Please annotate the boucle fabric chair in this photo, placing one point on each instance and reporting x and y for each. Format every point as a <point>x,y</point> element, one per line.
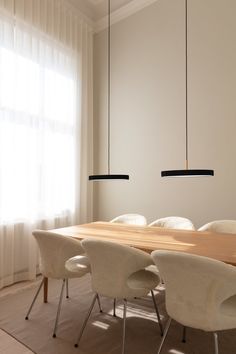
<point>54,250</point>
<point>118,272</point>
<point>200,292</point>
<point>131,219</point>
<point>224,226</point>
<point>174,222</point>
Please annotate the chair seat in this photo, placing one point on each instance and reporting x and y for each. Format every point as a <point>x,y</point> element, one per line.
<point>142,281</point>
<point>227,313</point>
<point>78,264</point>
<point>153,268</point>
<point>228,307</point>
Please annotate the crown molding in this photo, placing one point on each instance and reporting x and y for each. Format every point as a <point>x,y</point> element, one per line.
<point>123,12</point>
<point>95,2</point>
<point>81,14</point>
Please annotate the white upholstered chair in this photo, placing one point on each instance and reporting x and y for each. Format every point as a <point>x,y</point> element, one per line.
<point>118,272</point>
<point>200,292</point>
<point>54,251</point>
<point>131,219</point>
<point>171,222</point>
<point>224,226</point>
<point>174,222</point>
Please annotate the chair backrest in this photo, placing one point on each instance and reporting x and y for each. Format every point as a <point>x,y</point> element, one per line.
<point>224,226</point>
<point>55,250</point>
<point>112,265</point>
<point>196,287</point>
<point>131,219</point>
<point>174,222</point>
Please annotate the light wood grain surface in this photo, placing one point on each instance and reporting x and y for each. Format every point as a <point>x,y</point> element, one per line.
<point>214,245</point>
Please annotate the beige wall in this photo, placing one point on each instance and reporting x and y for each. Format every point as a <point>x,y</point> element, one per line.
<point>148,111</point>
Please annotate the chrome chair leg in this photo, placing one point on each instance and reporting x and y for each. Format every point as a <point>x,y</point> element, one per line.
<point>164,336</point>
<point>157,312</point>
<point>184,335</point>
<point>99,303</point>
<point>86,320</point>
<point>216,343</point>
<point>124,323</point>
<point>34,299</point>
<point>114,307</point>
<point>67,288</point>
<point>59,308</point>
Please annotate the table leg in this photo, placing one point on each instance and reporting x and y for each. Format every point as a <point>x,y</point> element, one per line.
<point>45,290</point>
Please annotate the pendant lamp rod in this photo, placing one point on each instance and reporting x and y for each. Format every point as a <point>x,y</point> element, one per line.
<point>186,85</point>
<point>186,172</point>
<point>109,88</point>
<point>108,176</point>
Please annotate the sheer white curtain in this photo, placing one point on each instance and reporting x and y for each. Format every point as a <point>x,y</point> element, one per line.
<point>45,117</point>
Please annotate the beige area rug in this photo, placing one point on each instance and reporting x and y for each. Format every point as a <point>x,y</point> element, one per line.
<point>103,333</point>
<point>9,345</point>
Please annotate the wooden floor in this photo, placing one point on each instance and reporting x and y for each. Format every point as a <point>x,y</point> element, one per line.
<point>8,345</point>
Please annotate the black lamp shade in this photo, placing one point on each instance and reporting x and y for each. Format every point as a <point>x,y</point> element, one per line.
<point>108,177</point>
<point>187,173</point>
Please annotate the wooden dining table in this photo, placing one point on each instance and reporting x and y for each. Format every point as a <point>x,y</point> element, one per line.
<point>218,246</point>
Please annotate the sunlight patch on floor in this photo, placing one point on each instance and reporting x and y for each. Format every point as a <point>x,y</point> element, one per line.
<point>174,351</point>
<point>101,324</point>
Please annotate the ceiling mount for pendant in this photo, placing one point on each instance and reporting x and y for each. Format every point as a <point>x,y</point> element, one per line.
<point>109,176</point>
<point>187,172</point>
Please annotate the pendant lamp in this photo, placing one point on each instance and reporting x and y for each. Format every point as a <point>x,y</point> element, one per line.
<point>109,176</point>
<point>186,172</point>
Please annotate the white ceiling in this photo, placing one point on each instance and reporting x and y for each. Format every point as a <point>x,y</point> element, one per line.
<point>96,10</point>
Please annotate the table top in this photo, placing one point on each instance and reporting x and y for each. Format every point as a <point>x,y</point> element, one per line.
<point>209,244</point>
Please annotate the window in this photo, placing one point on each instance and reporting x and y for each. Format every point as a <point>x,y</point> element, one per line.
<point>37,128</point>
